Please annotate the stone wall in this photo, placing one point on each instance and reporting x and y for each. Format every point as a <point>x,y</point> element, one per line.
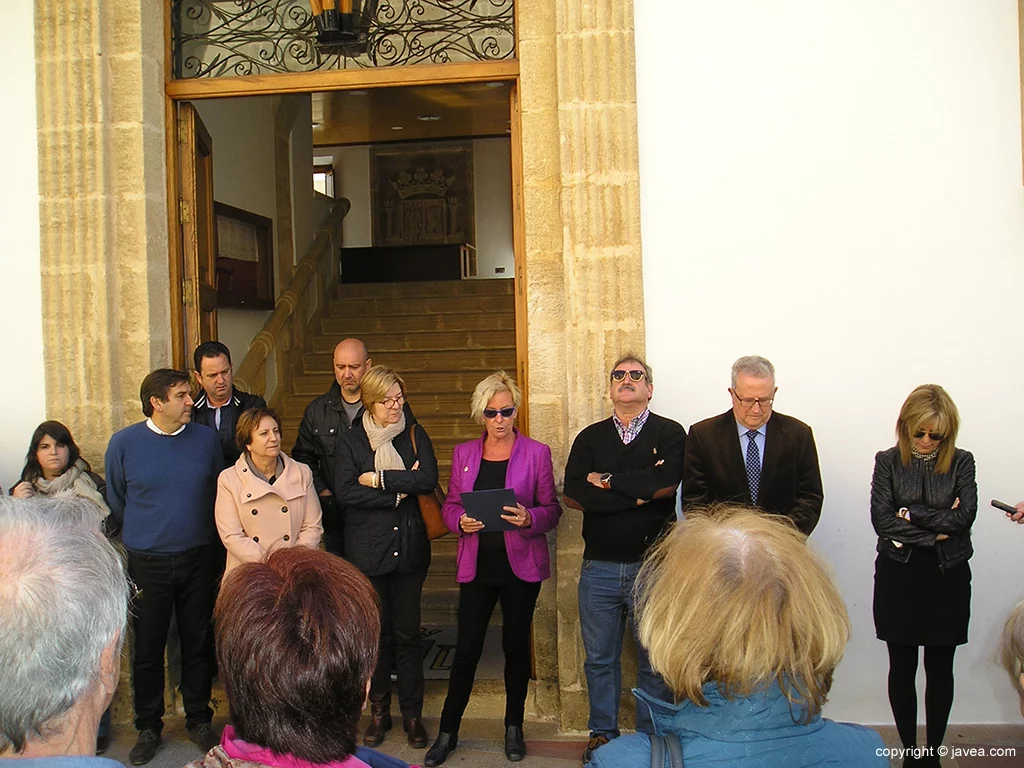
<point>103,213</point>
<point>581,199</point>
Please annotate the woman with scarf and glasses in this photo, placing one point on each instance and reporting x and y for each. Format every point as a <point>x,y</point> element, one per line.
<point>924,499</point>
<point>383,463</point>
<point>494,565</point>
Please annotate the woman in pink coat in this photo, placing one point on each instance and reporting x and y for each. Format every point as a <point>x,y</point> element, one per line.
<point>497,566</point>
<point>266,500</point>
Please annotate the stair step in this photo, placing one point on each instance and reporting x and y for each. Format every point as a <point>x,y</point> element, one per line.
<point>424,305</point>
<point>367,325</point>
<point>423,403</point>
<point>412,362</point>
<point>421,385</point>
<point>381,344</point>
<point>496,287</point>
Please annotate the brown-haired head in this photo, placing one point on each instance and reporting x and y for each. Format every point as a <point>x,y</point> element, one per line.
<point>734,597</point>
<point>929,404</point>
<point>249,421</point>
<point>297,639</point>
<point>376,383</point>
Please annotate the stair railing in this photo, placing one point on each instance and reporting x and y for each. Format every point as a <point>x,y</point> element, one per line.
<point>285,327</point>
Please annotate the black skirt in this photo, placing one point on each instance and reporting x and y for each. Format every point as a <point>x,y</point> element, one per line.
<point>916,603</point>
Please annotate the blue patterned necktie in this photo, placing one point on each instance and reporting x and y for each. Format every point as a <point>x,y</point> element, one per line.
<point>753,464</point>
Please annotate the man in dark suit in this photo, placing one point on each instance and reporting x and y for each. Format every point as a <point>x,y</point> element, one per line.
<point>754,455</point>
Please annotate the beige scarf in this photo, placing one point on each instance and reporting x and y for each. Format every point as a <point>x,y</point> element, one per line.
<point>384,454</point>
<point>75,480</point>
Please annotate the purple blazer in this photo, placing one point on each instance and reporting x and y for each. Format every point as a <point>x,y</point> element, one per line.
<point>531,477</point>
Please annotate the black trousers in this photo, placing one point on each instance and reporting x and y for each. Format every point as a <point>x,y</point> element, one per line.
<point>399,595</point>
<point>476,604</point>
<point>185,583</point>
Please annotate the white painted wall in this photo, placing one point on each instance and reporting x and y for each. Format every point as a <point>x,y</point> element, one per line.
<point>22,390</point>
<point>243,176</point>
<point>492,198</point>
<point>492,192</point>
<point>837,186</point>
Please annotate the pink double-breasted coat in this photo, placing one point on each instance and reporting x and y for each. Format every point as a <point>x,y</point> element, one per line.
<point>254,516</point>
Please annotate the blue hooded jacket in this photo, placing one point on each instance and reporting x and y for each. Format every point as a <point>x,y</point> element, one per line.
<point>760,731</point>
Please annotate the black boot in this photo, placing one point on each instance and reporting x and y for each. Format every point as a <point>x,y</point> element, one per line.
<point>515,746</point>
<point>443,746</point>
<point>380,724</point>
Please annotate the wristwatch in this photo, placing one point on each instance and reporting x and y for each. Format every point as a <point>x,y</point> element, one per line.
<point>606,480</point>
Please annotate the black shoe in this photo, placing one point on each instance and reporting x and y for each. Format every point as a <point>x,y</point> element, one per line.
<point>417,734</point>
<point>204,736</point>
<point>595,741</point>
<point>145,747</point>
<point>443,746</point>
<point>102,744</point>
<point>380,724</point>
<point>515,746</point>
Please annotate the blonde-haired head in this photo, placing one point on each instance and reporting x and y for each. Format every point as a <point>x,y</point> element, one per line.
<point>929,404</point>
<point>488,388</point>
<point>1011,649</point>
<point>735,597</point>
<point>376,383</point>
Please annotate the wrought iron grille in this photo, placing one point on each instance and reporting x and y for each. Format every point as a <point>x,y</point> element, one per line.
<point>217,38</point>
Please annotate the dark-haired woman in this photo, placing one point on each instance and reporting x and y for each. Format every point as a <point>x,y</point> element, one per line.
<point>53,465</point>
<point>924,499</point>
<point>296,645</point>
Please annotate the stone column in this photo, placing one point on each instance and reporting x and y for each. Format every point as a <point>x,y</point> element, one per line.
<point>583,263</point>
<point>103,210</point>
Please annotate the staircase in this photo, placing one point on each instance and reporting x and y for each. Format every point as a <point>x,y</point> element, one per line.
<point>442,338</point>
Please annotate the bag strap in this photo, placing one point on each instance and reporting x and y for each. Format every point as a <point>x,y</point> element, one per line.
<point>670,744</point>
<point>675,750</point>
<point>657,751</point>
<point>412,436</point>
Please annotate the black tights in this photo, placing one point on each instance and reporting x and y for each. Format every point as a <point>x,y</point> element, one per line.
<point>938,692</point>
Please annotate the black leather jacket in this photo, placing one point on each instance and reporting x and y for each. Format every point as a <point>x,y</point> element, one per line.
<point>929,497</point>
<point>240,402</point>
<point>383,535</point>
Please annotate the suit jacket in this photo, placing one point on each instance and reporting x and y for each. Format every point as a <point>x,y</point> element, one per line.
<point>714,469</point>
<point>530,475</point>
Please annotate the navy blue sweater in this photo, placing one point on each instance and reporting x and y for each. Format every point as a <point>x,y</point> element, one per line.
<point>162,487</point>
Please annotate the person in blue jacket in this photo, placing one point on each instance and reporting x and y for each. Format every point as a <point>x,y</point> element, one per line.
<point>746,626</point>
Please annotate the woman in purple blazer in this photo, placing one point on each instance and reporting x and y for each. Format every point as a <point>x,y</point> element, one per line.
<point>493,565</point>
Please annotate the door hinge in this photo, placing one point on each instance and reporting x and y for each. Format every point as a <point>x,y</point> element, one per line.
<point>183,211</point>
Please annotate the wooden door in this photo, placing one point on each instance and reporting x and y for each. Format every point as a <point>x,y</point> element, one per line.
<point>198,235</point>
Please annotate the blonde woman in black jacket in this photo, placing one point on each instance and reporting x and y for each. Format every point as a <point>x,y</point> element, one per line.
<point>924,499</point>
<point>377,480</point>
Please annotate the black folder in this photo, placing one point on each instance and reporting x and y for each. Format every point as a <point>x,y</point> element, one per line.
<point>487,507</point>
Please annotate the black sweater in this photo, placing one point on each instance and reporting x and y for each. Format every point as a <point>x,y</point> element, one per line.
<point>615,527</point>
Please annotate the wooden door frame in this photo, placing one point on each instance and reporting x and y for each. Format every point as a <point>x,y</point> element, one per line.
<point>340,80</point>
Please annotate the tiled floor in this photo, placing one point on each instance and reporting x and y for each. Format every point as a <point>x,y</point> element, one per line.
<point>480,746</point>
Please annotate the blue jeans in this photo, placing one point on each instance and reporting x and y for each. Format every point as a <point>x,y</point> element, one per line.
<point>606,602</point>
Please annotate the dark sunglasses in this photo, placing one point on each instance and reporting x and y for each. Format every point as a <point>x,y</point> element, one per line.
<point>634,375</point>
<point>938,438</point>
<point>506,413</point>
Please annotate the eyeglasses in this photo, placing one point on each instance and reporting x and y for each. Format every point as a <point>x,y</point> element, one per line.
<point>750,402</point>
<point>634,375</point>
<point>937,437</point>
<point>506,413</point>
<point>392,402</point>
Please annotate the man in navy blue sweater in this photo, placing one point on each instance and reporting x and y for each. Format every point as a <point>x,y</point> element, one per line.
<point>161,485</point>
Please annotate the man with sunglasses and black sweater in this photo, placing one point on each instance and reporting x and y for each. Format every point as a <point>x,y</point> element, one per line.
<point>623,473</point>
<point>753,454</point>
